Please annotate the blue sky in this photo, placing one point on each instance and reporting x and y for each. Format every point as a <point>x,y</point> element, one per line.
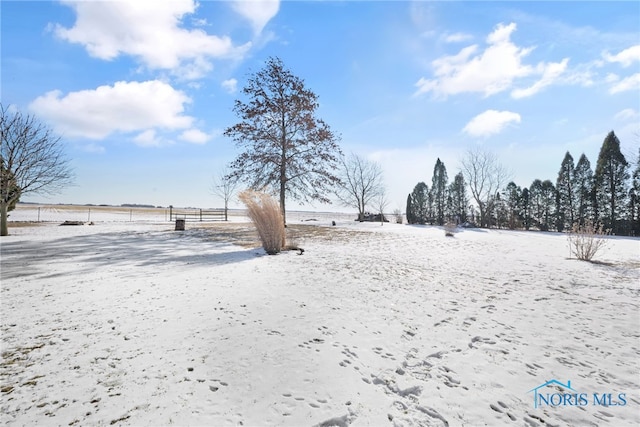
<point>142,91</point>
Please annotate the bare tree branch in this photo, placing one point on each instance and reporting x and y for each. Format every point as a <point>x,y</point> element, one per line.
<point>485,176</point>
<point>285,148</point>
<point>32,160</point>
<point>362,183</point>
<point>224,185</point>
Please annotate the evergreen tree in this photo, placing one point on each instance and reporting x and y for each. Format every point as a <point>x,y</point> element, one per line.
<point>409,212</point>
<point>634,199</point>
<point>610,181</point>
<point>566,200</point>
<point>548,196</point>
<point>512,196</point>
<point>584,191</point>
<point>501,211</point>
<point>439,191</point>
<point>420,202</point>
<point>526,208</point>
<point>448,210</point>
<point>560,216</point>
<point>536,204</point>
<point>459,199</point>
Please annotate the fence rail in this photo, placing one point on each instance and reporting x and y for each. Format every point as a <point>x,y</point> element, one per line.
<point>197,214</point>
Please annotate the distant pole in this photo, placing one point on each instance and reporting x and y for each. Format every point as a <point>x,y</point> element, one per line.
<point>130,214</point>
<point>89,218</point>
<point>170,212</point>
<point>200,215</point>
<point>38,213</point>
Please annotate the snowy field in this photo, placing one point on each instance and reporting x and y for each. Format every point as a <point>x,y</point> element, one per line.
<point>128,322</point>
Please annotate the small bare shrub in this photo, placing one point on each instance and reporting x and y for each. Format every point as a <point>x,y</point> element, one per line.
<point>398,214</point>
<point>265,213</point>
<point>450,229</point>
<point>586,240</point>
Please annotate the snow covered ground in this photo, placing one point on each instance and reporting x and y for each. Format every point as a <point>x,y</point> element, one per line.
<point>133,323</point>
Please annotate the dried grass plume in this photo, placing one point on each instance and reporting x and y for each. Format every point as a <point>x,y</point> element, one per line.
<point>265,213</point>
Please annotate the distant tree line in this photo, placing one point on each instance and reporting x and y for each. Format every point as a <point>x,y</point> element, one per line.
<point>608,195</point>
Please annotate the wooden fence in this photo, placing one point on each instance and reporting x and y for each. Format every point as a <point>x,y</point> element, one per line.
<point>197,214</point>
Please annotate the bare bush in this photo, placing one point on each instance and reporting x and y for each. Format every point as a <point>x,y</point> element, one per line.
<point>586,240</point>
<point>397,213</point>
<point>450,229</point>
<point>265,213</point>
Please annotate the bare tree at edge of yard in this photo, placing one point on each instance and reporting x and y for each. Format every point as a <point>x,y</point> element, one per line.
<point>362,183</point>
<point>224,185</point>
<point>286,149</point>
<point>485,176</point>
<point>381,203</point>
<point>32,160</point>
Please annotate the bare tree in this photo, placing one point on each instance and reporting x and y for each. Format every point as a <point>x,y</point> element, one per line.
<point>362,183</point>
<point>485,177</point>
<point>381,203</point>
<point>32,160</point>
<point>224,185</point>
<point>286,149</point>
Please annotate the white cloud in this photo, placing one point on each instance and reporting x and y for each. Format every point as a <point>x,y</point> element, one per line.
<point>628,83</point>
<point>490,71</point>
<point>258,12</point>
<point>148,138</point>
<point>457,37</point>
<point>92,148</point>
<point>123,107</point>
<point>611,78</point>
<point>148,31</point>
<point>195,136</point>
<point>490,122</point>
<point>625,57</point>
<point>550,74</point>
<point>627,114</point>
<point>230,85</point>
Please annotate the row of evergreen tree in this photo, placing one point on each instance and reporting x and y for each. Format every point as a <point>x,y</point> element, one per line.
<point>441,203</point>
<point>610,196</point>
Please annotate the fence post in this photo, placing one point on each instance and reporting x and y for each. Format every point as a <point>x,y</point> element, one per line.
<point>130,214</point>
<point>89,217</point>
<point>38,213</point>
<point>170,212</point>
<point>200,215</point>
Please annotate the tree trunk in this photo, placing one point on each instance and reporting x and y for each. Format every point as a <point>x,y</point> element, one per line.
<point>483,221</point>
<point>4,210</point>
<point>283,187</point>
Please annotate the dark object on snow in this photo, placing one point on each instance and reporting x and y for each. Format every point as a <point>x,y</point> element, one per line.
<point>333,223</point>
<point>180,224</point>
<point>369,217</point>
<point>73,223</point>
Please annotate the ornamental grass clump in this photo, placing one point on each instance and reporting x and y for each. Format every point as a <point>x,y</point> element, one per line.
<point>266,215</point>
